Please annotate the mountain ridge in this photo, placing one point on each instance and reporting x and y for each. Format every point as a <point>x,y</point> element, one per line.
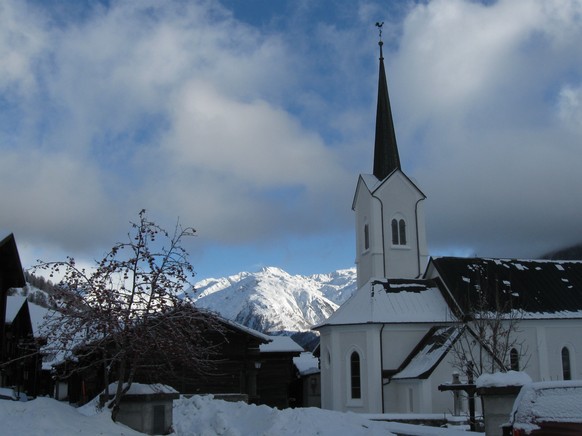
<point>275,302</point>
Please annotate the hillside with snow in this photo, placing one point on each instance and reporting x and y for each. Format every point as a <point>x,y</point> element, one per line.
<point>272,300</point>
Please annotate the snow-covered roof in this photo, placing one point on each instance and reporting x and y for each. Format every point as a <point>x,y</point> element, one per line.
<point>429,353</point>
<point>13,306</point>
<point>306,363</point>
<point>281,344</point>
<point>265,338</point>
<point>37,317</point>
<point>393,301</point>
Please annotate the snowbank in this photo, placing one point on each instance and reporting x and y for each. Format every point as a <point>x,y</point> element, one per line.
<point>46,416</point>
<point>203,416</point>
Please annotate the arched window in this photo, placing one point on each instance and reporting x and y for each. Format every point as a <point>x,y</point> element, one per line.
<point>402,231</point>
<point>566,368</point>
<point>398,232</point>
<point>394,232</point>
<point>355,378</point>
<point>514,360</point>
<point>366,237</point>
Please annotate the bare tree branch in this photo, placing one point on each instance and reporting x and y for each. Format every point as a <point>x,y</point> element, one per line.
<point>130,312</point>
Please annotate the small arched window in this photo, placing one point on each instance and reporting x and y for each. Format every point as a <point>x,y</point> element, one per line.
<point>402,231</point>
<point>514,360</point>
<point>355,377</point>
<point>366,237</point>
<point>566,367</point>
<point>398,232</point>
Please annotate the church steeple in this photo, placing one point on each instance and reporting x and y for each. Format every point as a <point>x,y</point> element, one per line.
<point>390,230</point>
<point>386,157</point>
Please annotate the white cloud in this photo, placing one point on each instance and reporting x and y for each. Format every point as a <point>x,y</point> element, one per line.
<point>54,198</point>
<point>257,133</point>
<point>480,88</point>
<point>175,107</point>
<point>570,106</point>
<point>253,142</point>
<point>22,39</point>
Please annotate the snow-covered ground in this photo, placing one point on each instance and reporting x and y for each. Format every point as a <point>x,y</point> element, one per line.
<point>200,416</point>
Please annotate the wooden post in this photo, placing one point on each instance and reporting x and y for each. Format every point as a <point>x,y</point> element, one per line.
<point>471,394</point>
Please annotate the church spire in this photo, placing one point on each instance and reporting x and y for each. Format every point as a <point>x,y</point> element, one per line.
<point>386,157</point>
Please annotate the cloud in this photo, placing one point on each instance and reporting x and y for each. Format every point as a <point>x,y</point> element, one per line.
<point>256,133</point>
<point>53,198</point>
<point>19,46</point>
<point>488,102</point>
<point>175,107</point>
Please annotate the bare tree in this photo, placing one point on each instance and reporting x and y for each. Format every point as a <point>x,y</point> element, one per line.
<point>492,341</point>
<point>130,314</point>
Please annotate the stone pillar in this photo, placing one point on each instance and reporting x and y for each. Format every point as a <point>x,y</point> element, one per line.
<point>497,403</point>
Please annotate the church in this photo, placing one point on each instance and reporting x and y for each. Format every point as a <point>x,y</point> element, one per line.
<point>415,321</point>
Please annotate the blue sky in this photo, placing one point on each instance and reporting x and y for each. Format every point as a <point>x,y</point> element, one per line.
<point>250,121</point>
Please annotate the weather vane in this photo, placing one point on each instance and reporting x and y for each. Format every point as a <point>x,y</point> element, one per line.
<point>379,26</point>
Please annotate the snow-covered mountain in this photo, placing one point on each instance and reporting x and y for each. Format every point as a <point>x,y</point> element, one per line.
<point>272,300</point>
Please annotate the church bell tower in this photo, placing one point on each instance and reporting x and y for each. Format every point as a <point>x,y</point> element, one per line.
<point>390,228</point>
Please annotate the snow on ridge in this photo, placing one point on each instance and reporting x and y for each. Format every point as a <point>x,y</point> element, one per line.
<point>273,300</point>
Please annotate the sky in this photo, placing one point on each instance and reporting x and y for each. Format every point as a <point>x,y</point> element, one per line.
<point>250,121</point>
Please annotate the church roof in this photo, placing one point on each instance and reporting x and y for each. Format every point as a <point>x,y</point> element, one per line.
<point>429,352</point>
<point>386,158</point>
<point>536,288</point>
<point>393,301</point>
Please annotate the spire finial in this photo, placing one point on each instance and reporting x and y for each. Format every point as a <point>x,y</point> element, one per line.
<point>380,43</point>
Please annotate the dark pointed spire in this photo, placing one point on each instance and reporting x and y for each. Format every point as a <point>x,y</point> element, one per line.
<point>386,157</point>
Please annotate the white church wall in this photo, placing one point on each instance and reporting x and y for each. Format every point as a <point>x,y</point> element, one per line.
<point>326,363</point>
<point>396,198</point>
<point>398,341</point>
<point>390,397</point>
<point>369,260</point>
<point>408,396</point>
<point>337,345</point>
<point>399,200</point>
<point>544,340</point>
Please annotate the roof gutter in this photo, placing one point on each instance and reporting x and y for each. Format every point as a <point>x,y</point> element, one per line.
<point>417,239</point>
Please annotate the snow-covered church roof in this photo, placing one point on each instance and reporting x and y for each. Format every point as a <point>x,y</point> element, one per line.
<point>393,301</point>
<point>429,352</point>
<point>536,288</point>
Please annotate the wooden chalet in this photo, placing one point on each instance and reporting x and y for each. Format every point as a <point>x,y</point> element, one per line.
<point>278,379</point>
<point>23,364</point>
<point>235,364</point>
<point>20,362</point>
<point>11,276</point>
